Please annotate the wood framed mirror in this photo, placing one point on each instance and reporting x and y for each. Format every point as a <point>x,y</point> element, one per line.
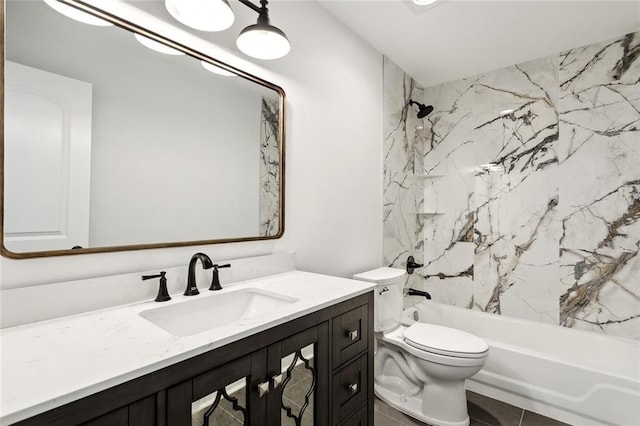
<point>109,145</point>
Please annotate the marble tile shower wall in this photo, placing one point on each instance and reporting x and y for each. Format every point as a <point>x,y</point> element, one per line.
<point>269,204</point>
<point>521,191</point>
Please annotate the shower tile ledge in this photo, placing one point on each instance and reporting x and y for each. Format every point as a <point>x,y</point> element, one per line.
<point>51,363</point>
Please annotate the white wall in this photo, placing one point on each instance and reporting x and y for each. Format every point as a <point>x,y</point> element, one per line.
<point>333,82</point>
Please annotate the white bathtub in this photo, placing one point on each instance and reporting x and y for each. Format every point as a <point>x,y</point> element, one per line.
<point>578,377</point>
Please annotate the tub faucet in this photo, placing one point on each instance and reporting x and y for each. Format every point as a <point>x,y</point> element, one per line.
<point>414,292</point>
<point>192,288</point>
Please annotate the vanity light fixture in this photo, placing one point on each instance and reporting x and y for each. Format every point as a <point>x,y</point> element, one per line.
<point>261,40</point>
<point>158,47</point>
<point>76,14</point>
<point>216,69</point>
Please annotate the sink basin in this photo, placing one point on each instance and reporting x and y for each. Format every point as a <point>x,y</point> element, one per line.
<point>208,312</point>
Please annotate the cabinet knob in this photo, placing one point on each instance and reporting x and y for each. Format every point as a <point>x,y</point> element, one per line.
<point>263,389</point>
<point>277,380</point>
<point>353,388</point>
<point>352,334</point>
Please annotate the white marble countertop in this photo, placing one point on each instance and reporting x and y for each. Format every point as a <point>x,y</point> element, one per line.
<point>50,363</point>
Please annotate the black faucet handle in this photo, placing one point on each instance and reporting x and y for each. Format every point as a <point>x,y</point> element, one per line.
<point>163,294</point>
<point>412,265</point>
<point>215,280</point>
<point>161,274</point>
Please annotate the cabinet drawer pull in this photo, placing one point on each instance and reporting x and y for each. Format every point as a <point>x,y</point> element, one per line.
<point>352,334</point>
<point>277,380</point>
<point>263,389</point>
<point>353,388</point>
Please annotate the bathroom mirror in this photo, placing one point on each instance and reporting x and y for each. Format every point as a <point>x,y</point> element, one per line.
<point>109,145</point>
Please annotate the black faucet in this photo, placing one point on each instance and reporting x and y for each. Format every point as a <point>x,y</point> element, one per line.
<point>215,281</point>
<point>414,292</point>
<point>192,288</point>
<point>163,294</point>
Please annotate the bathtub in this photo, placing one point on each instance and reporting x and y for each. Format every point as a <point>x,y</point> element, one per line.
<point>575,376</point>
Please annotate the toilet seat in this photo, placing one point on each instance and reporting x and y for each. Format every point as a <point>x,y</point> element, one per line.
<point>445,341</point>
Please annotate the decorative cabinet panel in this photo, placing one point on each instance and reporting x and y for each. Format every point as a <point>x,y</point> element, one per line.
<point>280,384</point>
<point>315,370</point>
<point>301,364</point>
<point>218,395</point>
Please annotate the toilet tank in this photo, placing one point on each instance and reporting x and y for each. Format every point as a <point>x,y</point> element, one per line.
<point>387,296</point>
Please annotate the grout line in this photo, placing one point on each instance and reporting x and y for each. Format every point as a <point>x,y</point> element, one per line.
<point>521,418</point>
<point>393,419</point>
<point>480,421</point>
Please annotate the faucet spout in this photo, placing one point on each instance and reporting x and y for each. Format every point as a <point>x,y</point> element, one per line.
<point>192,287</point>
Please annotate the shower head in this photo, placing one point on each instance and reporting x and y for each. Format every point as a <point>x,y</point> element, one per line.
<point>423,110</point>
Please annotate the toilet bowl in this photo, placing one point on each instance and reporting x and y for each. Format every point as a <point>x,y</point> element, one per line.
<point>420,369</point>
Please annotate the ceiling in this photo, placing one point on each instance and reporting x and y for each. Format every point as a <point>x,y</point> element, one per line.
<point>454,39</point>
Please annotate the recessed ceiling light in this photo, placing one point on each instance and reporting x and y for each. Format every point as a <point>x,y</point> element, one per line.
<point>424,2</point>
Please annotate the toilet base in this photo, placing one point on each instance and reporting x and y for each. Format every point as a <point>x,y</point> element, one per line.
<point>412,405</point>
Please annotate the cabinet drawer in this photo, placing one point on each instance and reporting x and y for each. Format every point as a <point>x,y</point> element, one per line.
<point>349,389</point>
<point>350,331</point>
<point>358,419</point>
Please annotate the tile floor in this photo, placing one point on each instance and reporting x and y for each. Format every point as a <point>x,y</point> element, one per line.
<point>483,411</point>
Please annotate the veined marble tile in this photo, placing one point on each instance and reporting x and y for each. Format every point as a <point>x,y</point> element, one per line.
<point>537,188</point>
<point>402,196</point>
<point>533,293</point>
<point>448,272</point>
<point>601,291</point>
<point>449,155</point>
<point>447,148</point>
<point>600,210</point>
<point>457,291</point>
<point>516,191</point>
<point>269,204</point>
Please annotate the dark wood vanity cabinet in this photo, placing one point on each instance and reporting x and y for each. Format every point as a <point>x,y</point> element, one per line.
<point>314,370</point>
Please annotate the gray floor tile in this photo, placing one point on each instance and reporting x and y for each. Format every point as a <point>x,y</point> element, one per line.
<point>534,419</point>
<point>399,417</point>
<point>483,411</point>
<point>491,411</point>
<point>380,419</point>
<point>474,422</point>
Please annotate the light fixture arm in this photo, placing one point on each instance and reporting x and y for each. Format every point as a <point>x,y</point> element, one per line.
<point>257,9</point>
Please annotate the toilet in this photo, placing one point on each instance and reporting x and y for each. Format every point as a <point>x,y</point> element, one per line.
<point>420,368</point>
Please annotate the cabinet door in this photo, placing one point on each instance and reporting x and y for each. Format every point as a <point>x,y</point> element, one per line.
<point>298,367</point>
<point>225,395</point>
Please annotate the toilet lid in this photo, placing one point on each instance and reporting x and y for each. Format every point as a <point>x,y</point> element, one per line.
<point>445,341</point>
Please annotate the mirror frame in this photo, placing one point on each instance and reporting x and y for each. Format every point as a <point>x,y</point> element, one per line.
<point>129,26</point>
